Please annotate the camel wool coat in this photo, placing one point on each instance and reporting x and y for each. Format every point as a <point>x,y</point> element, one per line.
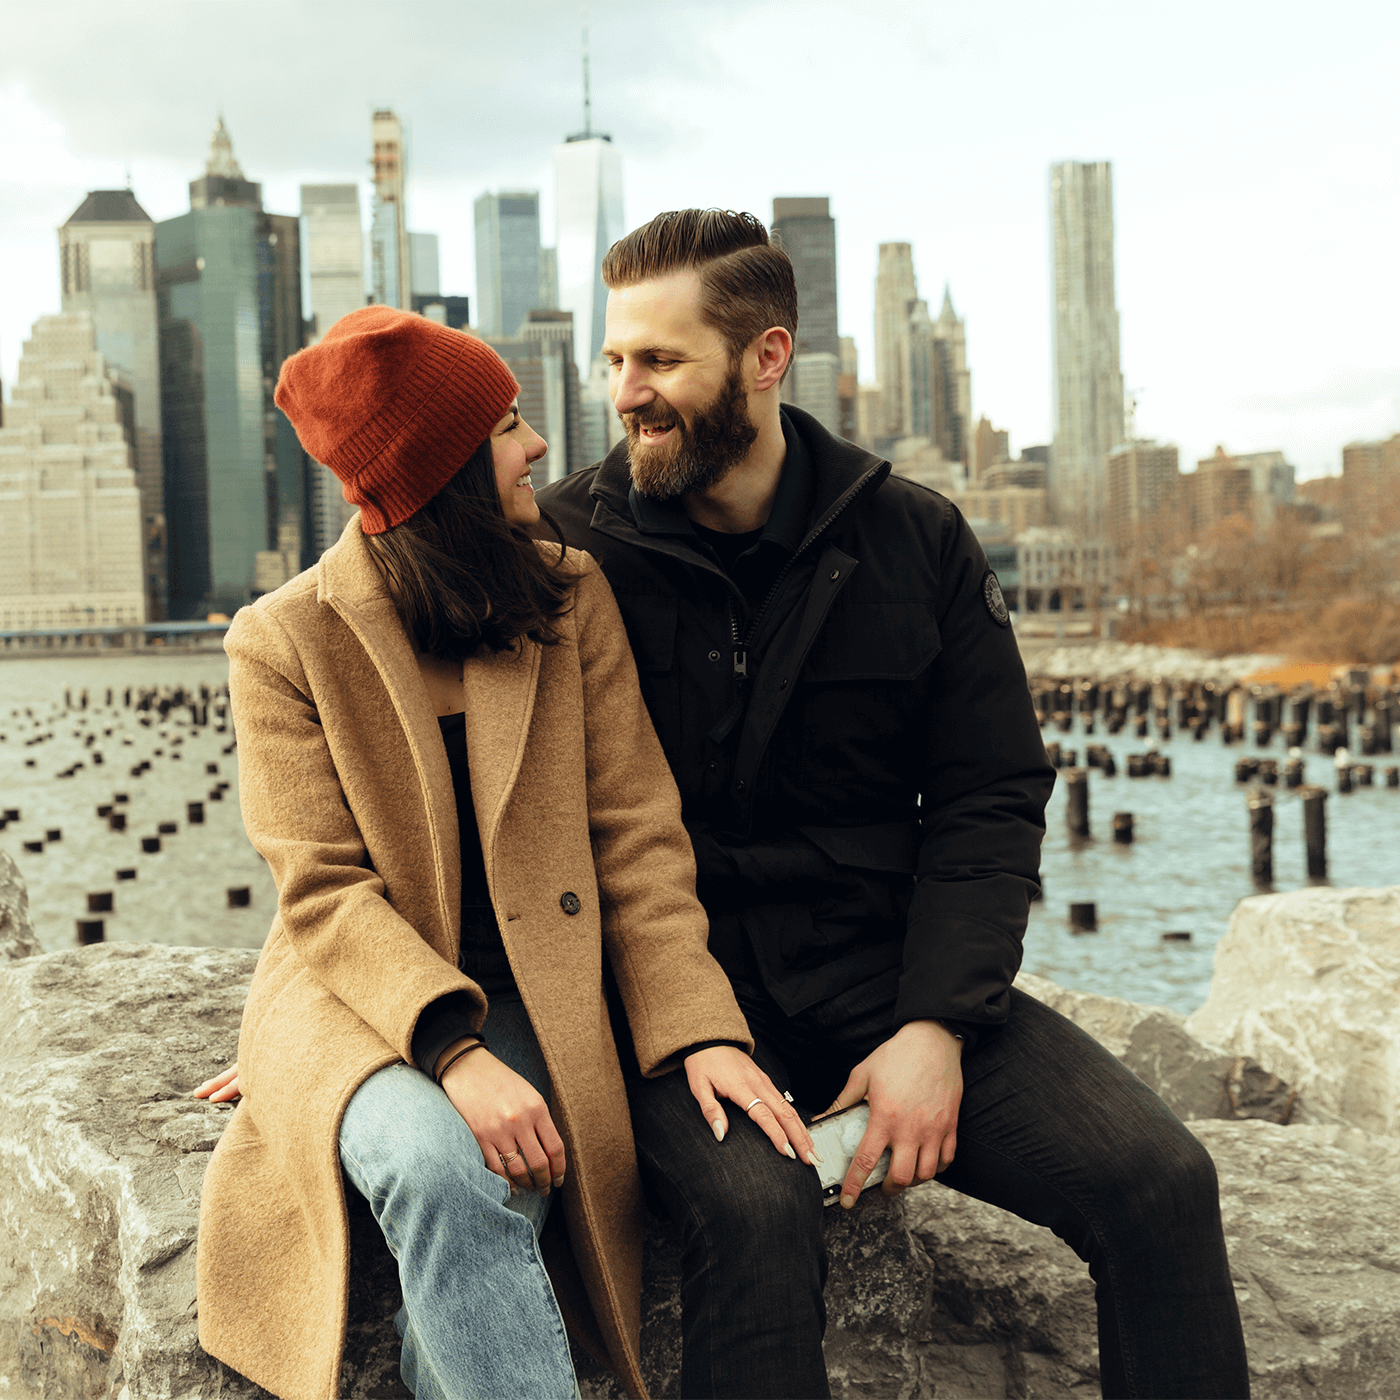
<point>347,794</point>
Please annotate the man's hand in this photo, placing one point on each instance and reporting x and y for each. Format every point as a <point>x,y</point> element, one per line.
<point>914,1086</point>
<point>726,1071</point>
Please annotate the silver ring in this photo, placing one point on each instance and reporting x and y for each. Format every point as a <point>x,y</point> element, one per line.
<point>757,1100</point>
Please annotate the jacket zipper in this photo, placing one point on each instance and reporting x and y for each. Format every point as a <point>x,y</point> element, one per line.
<point>741,647</point>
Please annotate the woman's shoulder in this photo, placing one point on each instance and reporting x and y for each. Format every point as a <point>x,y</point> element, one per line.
<point>576,564</point>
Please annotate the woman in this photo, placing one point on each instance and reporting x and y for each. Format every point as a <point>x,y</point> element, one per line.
<point>445,760</point>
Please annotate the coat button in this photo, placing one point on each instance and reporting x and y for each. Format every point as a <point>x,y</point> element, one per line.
<point>740,785</point>
<point>835,574</point>
<point>569,902</point>
<point>714,656</point>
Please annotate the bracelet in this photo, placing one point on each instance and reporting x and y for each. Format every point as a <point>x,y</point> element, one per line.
<point>478,1044</point>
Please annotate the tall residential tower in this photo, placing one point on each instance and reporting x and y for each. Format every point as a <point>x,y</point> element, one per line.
<point>1088,412</point>
<point>508,262</point>
<point>807,232</point>
<point>390,258</point>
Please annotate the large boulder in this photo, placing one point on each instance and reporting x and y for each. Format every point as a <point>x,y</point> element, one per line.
<point>1196,1079</point>
<point>102,1155</point>
<point>1308,984</point>
<point>17,938</point>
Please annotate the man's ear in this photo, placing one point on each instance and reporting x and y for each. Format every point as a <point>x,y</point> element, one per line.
<point>773,350</point>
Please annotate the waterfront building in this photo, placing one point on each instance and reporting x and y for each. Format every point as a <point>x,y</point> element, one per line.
<point>1217,490</point>
<point>445,310</point>
<point>921,460</point>
<point>1272,483</point>
<point>509,266</point>
<point>71,511</point>
<point>848,391</point>
<point>895,292</point>
<point>1088,378</point>
<point>1027,472</point>
<point>1060,570</point>
<point>988,446</point>
<point>1015,509</point>
<point>228,283</point>
<point>1144,479</point>
<point>107,264</point>
<point>390,257</point>
<point>589,220</point>
<point>1370,486</point>
<point>600,427</point>
<point>542,359</point>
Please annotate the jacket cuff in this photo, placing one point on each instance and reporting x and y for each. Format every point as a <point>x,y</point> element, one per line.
<point>960,970</point>
<point>442,1021</point>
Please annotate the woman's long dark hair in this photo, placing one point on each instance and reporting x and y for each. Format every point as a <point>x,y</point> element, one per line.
<point>463,577</point>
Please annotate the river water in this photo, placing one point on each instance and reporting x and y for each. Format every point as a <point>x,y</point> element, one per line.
<point>1186,870</point>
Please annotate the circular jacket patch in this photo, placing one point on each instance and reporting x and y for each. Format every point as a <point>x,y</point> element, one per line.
<point>996,604</point>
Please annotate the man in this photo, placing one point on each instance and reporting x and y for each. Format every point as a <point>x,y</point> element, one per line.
<point>827,660</point>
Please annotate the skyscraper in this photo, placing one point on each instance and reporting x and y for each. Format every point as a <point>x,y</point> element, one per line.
<point>588,221</point>
<point>1143,477</point>
<point>71,531</point>
<point>228,283</point>
<point>508,262</point>
<point>423,265</point>
<point>895,292</point>
<point>335,259</point>
<point>107,257</point>
<point>807,232</point>
<point>390,259</point>
<point>938,384</point>
<point>1088,411</point>
<point>335,254</point>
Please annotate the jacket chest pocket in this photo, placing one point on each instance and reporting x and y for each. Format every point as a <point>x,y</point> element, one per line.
<point>651,620</point>
<point>860,695</point>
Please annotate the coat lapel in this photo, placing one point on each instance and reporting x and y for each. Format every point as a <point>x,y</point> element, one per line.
<point>349,582</point>
<point>500,692</point>
<point>499,698</point>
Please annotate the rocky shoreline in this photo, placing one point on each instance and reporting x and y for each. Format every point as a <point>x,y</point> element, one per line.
<point>1111,661</point>
<point>1289,1075</point>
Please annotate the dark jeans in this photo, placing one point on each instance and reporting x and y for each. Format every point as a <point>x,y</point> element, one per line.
<point>1052,1128</point>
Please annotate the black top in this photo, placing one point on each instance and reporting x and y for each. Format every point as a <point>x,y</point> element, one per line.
<point>483,954</point>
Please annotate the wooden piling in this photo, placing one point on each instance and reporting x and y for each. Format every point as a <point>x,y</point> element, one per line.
<point>1123,828</point>
<point>1261,836</point>
<point>1077,800</point>
<point>1315,830</point>
<point>1083,918</point>
<point>91,931</point>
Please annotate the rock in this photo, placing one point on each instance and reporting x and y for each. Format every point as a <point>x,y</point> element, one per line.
<point>17,938</point>
<point>102,1155</point>
<point>1135,661</point>
<point>1308,983</point>
<point>1197,1080</point>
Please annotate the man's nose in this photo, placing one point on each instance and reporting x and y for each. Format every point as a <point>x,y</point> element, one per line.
<point>631,389</point>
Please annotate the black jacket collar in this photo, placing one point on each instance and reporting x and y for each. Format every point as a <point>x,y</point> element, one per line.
<point>829,471</point>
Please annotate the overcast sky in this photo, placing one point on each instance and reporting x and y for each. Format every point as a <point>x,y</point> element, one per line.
<point>1255,150</point>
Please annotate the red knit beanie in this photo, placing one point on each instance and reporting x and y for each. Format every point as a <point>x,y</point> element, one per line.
<point>394,405</point>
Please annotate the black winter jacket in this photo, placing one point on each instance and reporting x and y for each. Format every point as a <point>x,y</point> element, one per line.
<point>847,718</point>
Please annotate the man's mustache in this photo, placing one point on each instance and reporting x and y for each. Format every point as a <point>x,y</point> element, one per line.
<point>650,416</point>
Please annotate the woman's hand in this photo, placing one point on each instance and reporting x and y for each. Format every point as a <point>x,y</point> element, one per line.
<point>509,1119</point>
<point>221,1088</point>
<point>726,1071</point>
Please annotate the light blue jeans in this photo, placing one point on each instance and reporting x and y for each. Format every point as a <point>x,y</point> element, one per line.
<point>479,1318</point>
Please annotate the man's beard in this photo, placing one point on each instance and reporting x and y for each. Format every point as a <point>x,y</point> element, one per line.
<point>702,454</point>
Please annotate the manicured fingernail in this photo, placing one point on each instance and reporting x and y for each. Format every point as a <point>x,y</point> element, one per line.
<point>847,1202</point>
<point>787,1147</point>
<point>815,1158</point>
<point>558,1181</point>
<point>719,1130</point>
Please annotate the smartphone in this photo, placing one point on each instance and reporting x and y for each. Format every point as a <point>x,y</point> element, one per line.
<point>836,1140</point>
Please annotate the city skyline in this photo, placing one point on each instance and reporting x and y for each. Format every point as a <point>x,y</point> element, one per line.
<point>1243,211</point>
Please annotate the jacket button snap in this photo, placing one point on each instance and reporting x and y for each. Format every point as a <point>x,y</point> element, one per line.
<point>569,902</point>
<point>835,574</point>
<point>739,786</point>
<point>714,656</point>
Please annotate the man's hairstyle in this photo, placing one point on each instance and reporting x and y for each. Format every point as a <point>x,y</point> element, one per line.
<point>746,281</point>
